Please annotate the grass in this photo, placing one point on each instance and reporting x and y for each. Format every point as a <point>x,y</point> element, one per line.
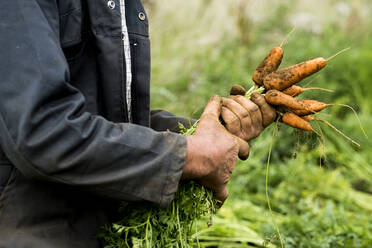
<point>202,47</point>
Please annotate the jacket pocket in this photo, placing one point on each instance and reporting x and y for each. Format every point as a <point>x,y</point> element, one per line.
<point>71,23</point>
<point>73,30</point>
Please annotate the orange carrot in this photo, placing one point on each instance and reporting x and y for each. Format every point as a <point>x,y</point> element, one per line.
<point>309,107</point>
<point>314,105</point>
<point>289,76</point>
<point>278,98</point>
<point>268,65</point>
<point>295,90</point>
<point>308,118</point>
<point>296,122</point>
<point>287,103</point>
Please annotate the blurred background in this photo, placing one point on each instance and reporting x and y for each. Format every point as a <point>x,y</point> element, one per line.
<point>321,195</point>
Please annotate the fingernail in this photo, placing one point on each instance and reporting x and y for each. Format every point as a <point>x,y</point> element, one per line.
<point>254,95</point>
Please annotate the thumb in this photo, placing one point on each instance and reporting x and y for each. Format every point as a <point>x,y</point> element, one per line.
<point>243,148</point>
<point>212,110</point>
<point>221,195</point>
<point>237,89</point>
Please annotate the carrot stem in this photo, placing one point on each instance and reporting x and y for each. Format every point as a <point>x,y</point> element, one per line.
<point>338,53</point>
<point>287,36</point>
<point>267,184</point>
<point>254,89</point>
<point>322,141</point>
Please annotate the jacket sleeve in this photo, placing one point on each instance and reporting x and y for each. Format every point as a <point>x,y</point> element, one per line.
<point>162,120</point>
<point>45,135</point>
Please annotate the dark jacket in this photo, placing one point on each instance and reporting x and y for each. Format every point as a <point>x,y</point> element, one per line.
<point>68,154</point>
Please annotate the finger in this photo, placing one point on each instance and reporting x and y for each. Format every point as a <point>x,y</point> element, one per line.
<point>232,122</point>
<point>237,89</point>
<point>210,116</point>
<point>235,107</point>
<point>241,113</point>
<point>268,112</point>
<point>243,148</point>
<point>253,110</point>
<point>221,195</point>
<point>213,107</point>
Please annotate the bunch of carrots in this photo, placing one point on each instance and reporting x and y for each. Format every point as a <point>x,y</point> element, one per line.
<point>280,90</point>
<point>279,86</point>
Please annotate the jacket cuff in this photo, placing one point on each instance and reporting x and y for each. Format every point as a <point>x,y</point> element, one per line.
<point>176,163</point>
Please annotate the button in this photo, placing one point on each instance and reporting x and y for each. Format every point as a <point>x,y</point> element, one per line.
<point>111,4</point>
<point>141,16</point>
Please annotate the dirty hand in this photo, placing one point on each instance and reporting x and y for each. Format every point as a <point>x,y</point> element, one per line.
<point>212,151</point>
<point>246,118</point>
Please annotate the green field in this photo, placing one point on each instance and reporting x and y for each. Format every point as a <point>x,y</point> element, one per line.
<point>321,195</point>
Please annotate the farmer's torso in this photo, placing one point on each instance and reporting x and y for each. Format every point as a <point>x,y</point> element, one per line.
<point>91,34</point>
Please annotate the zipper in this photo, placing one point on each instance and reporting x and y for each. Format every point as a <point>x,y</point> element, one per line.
<point>127,59</point>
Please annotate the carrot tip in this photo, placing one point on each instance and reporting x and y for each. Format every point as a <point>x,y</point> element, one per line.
<point>287,36</point>
<point>316,88</point>
<point>338,53</point>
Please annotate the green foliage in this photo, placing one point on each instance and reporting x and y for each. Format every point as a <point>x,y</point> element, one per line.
<point>145,225</point>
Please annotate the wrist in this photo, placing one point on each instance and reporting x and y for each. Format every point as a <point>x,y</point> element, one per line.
<point>191,169</point>
<point>187,169</point>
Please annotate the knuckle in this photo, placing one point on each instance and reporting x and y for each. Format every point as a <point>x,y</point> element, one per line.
<point>235,119</point>
<point>226,179</point>
<point>235,124</point>
<point>272,115</point>
<point>254,108</point>
<point>241,98</point>
<point>256,133</point>
<point>258,98</point>
<point>227,101</point>
<point>245,114</point>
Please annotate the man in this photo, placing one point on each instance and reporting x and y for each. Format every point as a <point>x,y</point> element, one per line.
<point>76,132</point>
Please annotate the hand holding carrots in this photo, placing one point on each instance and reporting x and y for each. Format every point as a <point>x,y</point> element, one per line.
<point>246,118</point>
<point>212,151</point>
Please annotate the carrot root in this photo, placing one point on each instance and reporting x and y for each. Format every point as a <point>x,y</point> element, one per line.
<point>355,114</point>
<point>287,36</point>
<point>317,88</point>
<point>322,140</point>
<point>338,131</point>
<point>267,184</point>
<point>338,53</point>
